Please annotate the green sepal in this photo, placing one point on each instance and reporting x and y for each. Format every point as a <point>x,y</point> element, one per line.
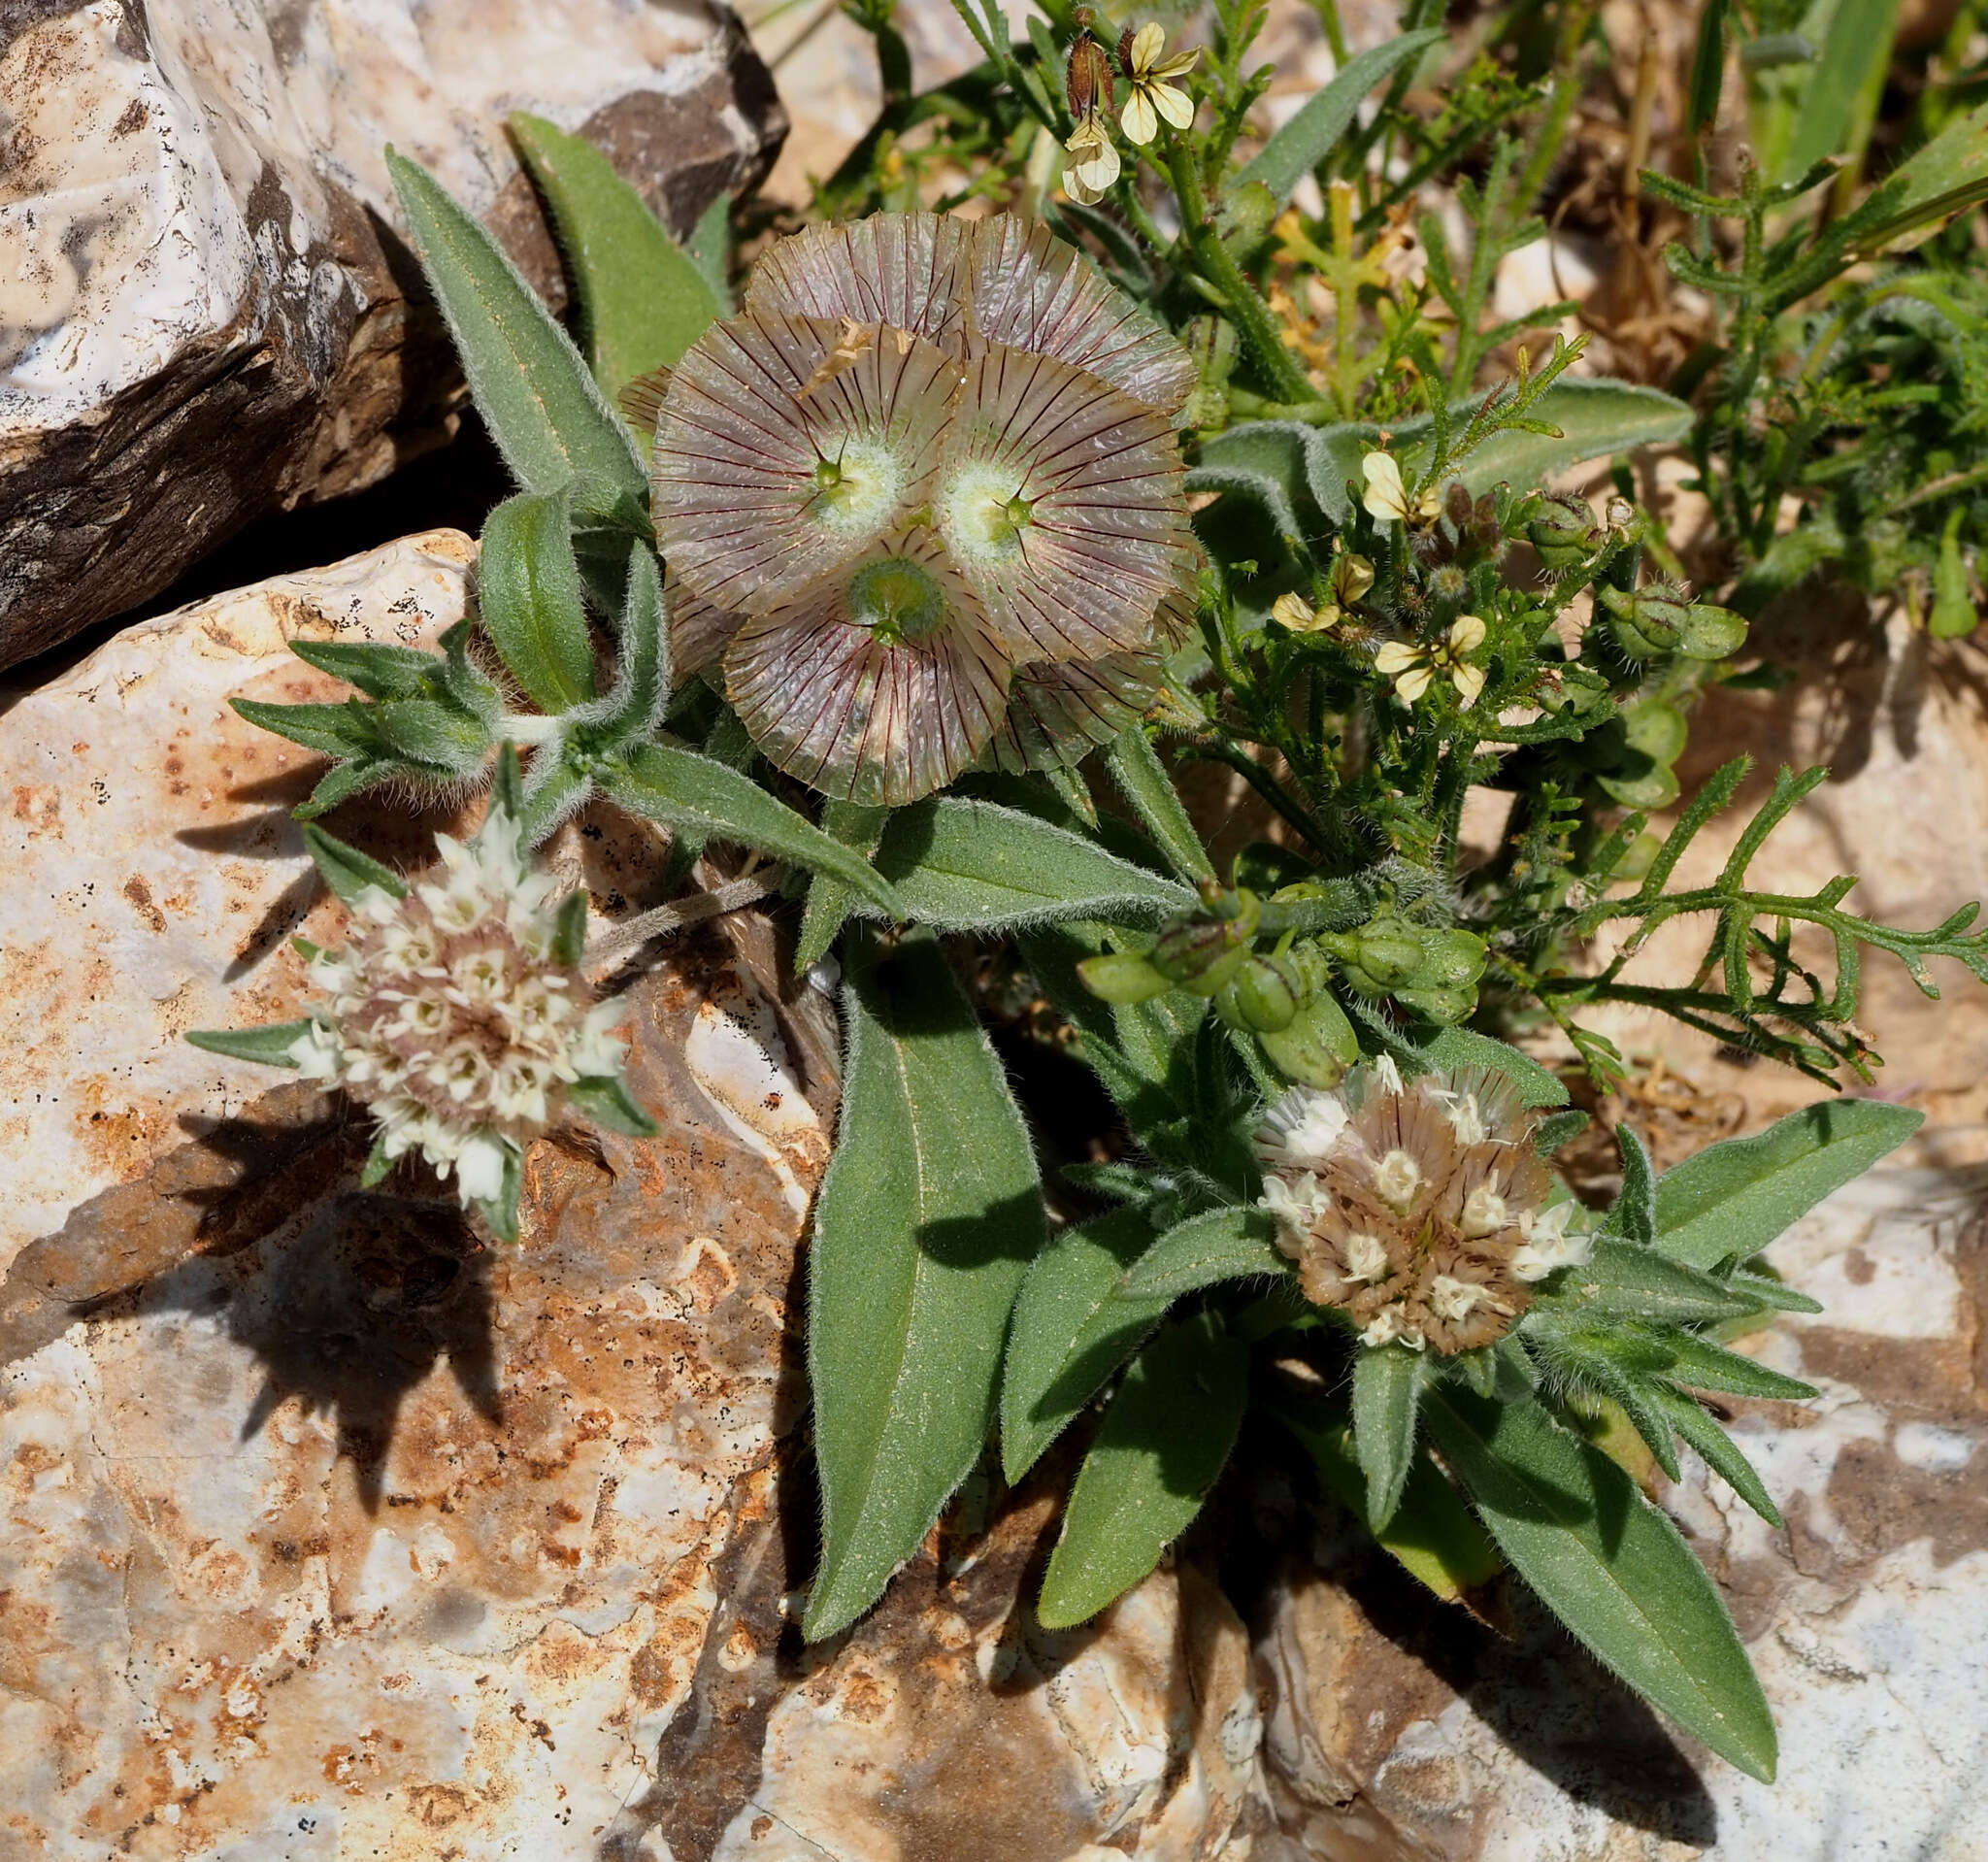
<point>507,785</point>
<point>374,1172</point>
<point>501,1210</point>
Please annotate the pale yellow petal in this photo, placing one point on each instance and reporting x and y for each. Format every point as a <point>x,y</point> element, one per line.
<point>1413,683</point>
<point>1384,497</point>
<point>1147,43</point>
<point>1173,103</point>
<point>1396,656</point>
<point>1469,685</point>
<point>1466,633</point>
<point>1140,124</point>
<point>1178,64</point>
<point>1292,610</point>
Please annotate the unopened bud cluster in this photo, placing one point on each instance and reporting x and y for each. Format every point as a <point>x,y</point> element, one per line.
<point>452,1018</point>
<point>1418,1208</point>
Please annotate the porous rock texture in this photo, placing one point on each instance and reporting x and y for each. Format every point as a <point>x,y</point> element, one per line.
<point>1400,1732</point>
<point>205,310</point>
<point>330,1531</point>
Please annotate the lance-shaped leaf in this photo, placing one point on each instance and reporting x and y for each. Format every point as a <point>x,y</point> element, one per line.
<point>1387,1394</point>
<point>529,597</point>
<point>1721,1454</point>
<point>927,1220</point>
<point>1315,132</point>
<point>1143,779</point>
<point>1641,1283</point>
<point>1157,1452</point>
<point>268,1047</point>
<point>1732,1199</point>
<point>1635,1214</point>
<point>1456,1048</point>
<point>347,871</point>
<point>1224,1244</point>
<point>643,299</point>
<point>975,866</point>
<point>829,900</point>
<point>606,1100</point>
<point>377,670</point>
<point>684,791</point>
<point>1611,1566</point>
<point>642,686</point>
<point>1593,417</point>
<point>1073,1326</point>
<point>540,404</point>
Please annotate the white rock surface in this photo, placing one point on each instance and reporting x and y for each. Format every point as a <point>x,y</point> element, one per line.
<point>206,318</point>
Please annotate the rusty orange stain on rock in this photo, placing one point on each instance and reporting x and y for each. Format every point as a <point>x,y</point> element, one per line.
<point>140,894</point>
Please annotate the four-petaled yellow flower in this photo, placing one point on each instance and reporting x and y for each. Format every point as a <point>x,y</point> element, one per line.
<point>1388,498</point>
<point>1093,164</point>
<point>1154,96</point>
<point>1415,669</point>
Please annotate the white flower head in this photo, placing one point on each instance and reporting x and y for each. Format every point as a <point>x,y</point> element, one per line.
<point>453,1016</point>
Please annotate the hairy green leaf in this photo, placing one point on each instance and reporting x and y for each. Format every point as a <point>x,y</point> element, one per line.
<point>1611,1566</point>
<point>962,865</point>
<point>269,1046</point>
<point>643,299</point>
<point>1073,1327</point>
<point>1720,1452</point>
<point>343,731</point>
<point>1157,1452</point>
<point>541,405</point>
<point>1642,1283</point>
<point>528,596</point>
<point>1315,132</point>
<point>830,901</point>
<point>1840,91</point>
<point>1387,1393</point>
<point>379,671</point>
<point>606,1099</point>
<point>925,1225</point>
<point>345,870</point>
<point>1466,1048</point>
<point>683,790</point>
<point>1143,779</point>
<point>1233,1243</point>
<point>1732,1199</point>
<point>1594,416</point>
<point>1635,1214</point>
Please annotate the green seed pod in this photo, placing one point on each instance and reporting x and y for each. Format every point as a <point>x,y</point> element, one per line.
<point>1317,1048</point>
<point>1444,1006</point>
<point>1563,532</point>
<point>1122,978</point>
<point>1711,633</point>
<point>1649,623</point>
<point>1260,997</point>
<point>1450,959</point>
<point>1389,954</point>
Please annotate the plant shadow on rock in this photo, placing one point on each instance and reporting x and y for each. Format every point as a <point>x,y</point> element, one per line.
<point>1536,1690</point>
<point>347,1298</point>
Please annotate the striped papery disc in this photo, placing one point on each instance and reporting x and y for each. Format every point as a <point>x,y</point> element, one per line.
<point>699,633</point>
<point>787,446</point>
<point>1058,713</point>
<point>907,270</point>
<point>1061,500</point>
<point>864,711</point>
<point>1032,291</point>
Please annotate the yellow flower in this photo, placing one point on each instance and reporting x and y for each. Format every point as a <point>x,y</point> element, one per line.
<point>1295,612</point>
<point>1414,669</point>
<point>1388,498</point>
<point>1154,97</point>
<point>1093,164</point>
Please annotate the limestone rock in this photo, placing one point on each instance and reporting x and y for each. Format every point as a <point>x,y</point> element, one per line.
<point>328,1531</point>
<point>205,314</point>
<point>1397,1732</point>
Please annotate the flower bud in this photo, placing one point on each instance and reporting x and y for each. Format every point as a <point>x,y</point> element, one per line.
<point>1711,633</point>
<point>1562,530</point>
<point>1122,978</point>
